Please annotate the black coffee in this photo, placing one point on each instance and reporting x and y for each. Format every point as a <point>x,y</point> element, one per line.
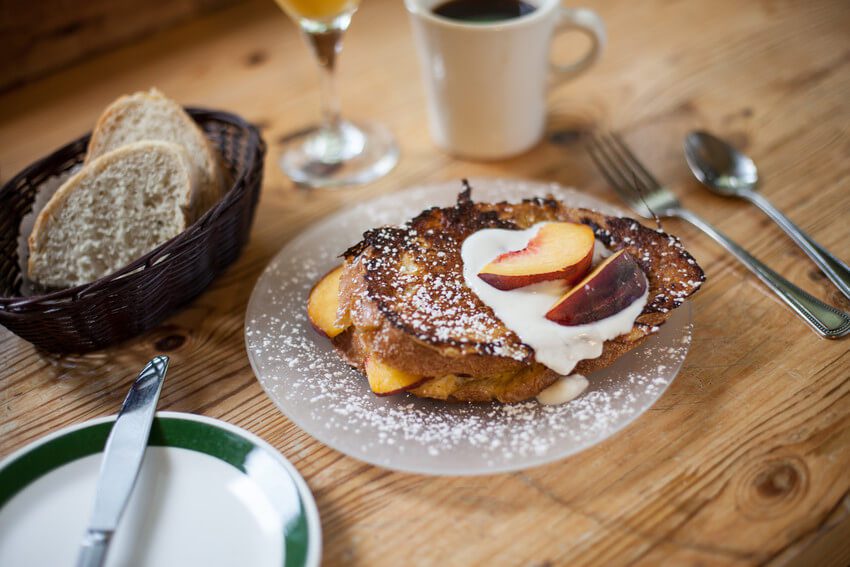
<point>483,11</point>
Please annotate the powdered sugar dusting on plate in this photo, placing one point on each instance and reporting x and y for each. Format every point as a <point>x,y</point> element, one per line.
<point>311,385</point>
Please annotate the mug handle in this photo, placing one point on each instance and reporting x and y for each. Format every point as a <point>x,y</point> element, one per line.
<point>589,23</point>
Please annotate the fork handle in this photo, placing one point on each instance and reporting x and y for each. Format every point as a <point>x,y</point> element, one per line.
<point>836,270</point>
<point>826,320</point>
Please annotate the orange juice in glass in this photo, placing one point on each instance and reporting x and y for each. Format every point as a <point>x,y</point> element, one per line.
<point>317,9</point>
<point>335,152</point>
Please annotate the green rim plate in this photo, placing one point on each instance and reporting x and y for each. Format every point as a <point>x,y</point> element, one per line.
<point>218,439</point>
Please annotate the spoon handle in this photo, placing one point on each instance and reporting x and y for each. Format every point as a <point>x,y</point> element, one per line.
<point>826,320</point>
<point>836,270</point>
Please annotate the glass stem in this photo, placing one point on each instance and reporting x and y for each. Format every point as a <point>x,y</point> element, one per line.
<point>326,46</point>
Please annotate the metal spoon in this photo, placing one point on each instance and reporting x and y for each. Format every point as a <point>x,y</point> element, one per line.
<point>726,171</point>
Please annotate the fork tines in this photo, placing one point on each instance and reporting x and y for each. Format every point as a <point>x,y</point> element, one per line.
<point>623,170</point>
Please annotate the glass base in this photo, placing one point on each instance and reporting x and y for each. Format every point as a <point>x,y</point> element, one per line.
<point>348,154</point>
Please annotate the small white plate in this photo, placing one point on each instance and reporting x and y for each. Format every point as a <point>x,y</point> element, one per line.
<point>208,493</point>
<point>311,384</point>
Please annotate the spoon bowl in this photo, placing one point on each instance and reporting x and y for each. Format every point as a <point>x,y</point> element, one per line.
<point>726,171</point>
<point>719,166</point>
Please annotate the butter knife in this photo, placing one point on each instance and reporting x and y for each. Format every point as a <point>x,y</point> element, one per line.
<point>122,459</point>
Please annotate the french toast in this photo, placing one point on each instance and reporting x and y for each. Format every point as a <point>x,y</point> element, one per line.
<point>404,307</point>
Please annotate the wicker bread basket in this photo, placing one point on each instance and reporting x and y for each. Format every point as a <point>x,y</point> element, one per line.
<point>140,295</point>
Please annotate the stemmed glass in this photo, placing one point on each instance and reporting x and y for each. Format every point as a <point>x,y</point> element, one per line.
<point>335,152</point>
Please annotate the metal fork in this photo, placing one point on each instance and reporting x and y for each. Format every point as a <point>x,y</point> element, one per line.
<point>643,193</point>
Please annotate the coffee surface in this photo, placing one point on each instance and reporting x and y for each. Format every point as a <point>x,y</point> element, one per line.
<point>483,11</point>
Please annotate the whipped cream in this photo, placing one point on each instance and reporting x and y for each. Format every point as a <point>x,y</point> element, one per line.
<point>565,389</point>
<point>523,310</point>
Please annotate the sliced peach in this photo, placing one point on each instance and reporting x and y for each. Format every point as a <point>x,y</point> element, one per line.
<point>559,251</point>
<point>440,388</point>
<point>323,304</point>
<point>614,285</point>
<point>386,380</point>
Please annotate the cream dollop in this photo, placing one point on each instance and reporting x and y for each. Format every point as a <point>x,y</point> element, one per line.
<point>523,310</point>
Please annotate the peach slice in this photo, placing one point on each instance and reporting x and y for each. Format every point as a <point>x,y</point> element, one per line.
<point>386,380</point>
<point>559,251</point>
<point>323,303</point>
<point>614,285</point>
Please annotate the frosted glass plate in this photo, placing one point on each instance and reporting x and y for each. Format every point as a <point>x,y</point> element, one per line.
<point>314,388</point>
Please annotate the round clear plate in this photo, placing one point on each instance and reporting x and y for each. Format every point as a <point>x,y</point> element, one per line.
<point>314,388</point>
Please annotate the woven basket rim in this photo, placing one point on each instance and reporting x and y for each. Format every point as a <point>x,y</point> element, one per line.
<point>162,250</point>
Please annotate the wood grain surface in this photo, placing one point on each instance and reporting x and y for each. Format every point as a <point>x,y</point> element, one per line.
<point>744,460</point>
<point>39,37</point>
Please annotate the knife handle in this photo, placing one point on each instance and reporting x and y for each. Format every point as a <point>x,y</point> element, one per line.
<point>93,549</point>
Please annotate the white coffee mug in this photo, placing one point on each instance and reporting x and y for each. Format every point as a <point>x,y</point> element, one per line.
<point>486,82</point>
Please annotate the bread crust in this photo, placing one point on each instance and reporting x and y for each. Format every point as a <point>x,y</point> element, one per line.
<point>212,180</point>
<point>403,289</point>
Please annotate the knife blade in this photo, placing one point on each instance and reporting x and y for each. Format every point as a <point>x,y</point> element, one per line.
<point>122,460</point>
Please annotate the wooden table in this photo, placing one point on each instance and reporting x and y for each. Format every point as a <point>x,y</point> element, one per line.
<point>745,460</point>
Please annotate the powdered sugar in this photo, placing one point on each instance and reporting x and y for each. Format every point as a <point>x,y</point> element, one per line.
<point>311,385</point>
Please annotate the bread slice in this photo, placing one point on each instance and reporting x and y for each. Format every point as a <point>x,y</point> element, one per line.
<point>153,116</point>
<point>117,208</point>
<point>403,292</point>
